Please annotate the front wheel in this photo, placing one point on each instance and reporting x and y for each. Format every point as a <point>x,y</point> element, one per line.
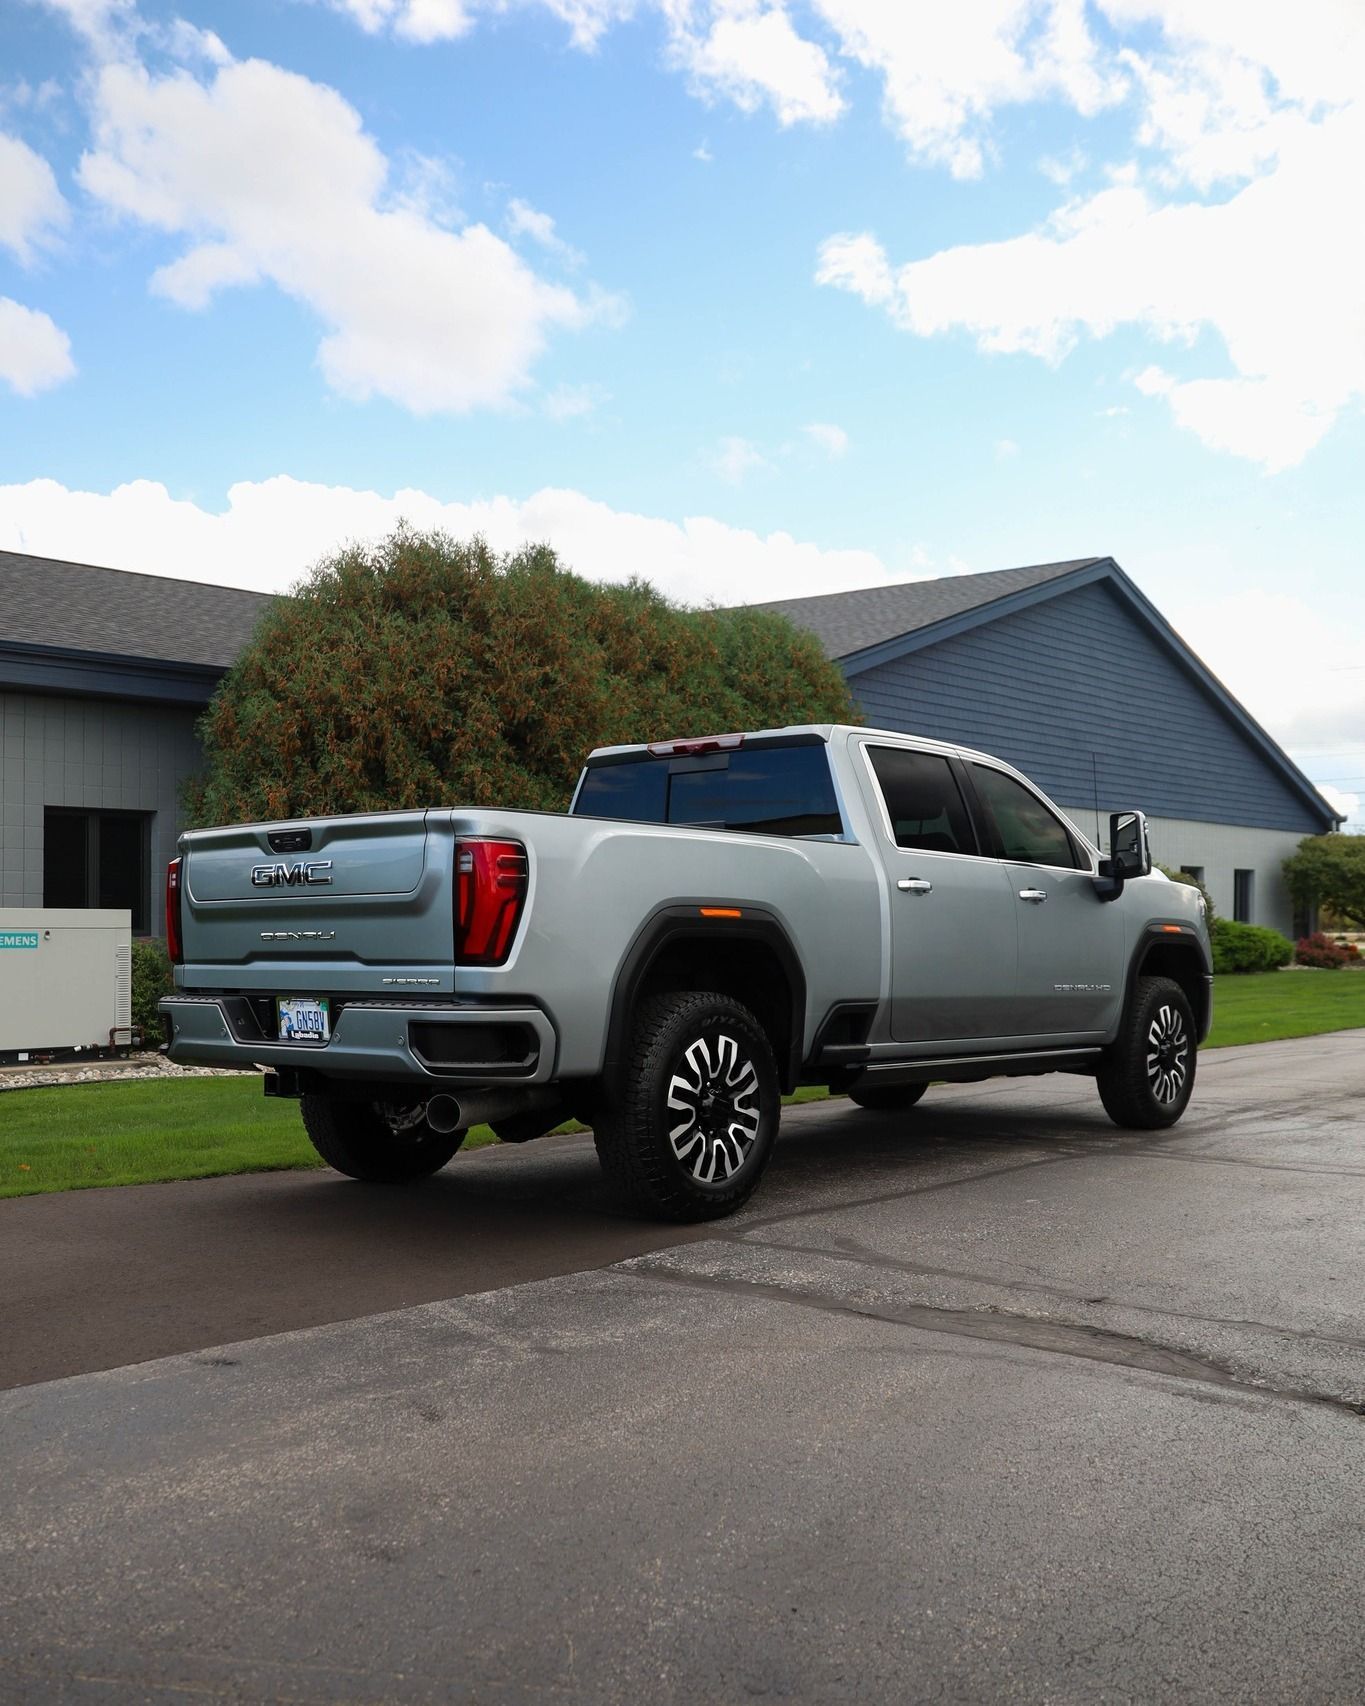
<point>1147,1075</point>
<point>383,1143</point>
<point>687,1127</point>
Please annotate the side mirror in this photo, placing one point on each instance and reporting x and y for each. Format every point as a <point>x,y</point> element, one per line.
<point>1129,854</point>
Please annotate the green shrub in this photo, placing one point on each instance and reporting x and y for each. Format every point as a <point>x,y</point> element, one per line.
<point>1248,947</point>
<point>151,980</point>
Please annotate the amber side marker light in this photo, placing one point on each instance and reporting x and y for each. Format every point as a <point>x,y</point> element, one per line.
<point>1173,929</point>
<point>720,912</point>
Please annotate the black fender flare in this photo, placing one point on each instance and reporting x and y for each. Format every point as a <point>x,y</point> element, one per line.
<point>680,921</point>
<point>1171,933</point>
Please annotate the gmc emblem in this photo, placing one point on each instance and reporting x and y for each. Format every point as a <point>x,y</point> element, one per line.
<point>291,876</point>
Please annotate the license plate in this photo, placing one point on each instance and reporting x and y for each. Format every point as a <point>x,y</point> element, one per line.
<point>303,1019</point>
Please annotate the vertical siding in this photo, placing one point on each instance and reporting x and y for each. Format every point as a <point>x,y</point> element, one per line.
<point>96,753</point>
<point>1076,682</point>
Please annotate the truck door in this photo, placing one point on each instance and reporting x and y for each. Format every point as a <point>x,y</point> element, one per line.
<point>953,927</point>
<point>1071,943</point>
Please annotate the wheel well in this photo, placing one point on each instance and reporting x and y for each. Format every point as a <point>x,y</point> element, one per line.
<point>749,970</point>
<point>1183,966</point>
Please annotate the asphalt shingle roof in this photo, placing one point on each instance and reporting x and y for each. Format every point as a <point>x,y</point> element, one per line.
<point>46,602</point>
<point>848,622</point>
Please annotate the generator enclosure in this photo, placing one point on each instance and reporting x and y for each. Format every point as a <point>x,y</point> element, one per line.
<point>66,983</point>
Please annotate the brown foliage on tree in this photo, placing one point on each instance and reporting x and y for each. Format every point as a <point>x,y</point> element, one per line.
<point>423,671</point>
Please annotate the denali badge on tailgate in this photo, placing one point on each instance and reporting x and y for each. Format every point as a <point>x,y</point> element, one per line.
<point>281,875</point>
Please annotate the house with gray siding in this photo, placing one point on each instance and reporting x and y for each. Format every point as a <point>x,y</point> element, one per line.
<point>103,675</point>
<point>1064,669</point>
<point>1069,673</point>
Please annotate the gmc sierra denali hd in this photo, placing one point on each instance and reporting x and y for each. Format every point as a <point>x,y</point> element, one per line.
<point>714,922</point>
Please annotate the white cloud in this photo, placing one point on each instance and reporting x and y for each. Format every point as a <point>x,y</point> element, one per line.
<point>856,262</point>
<point>413,20</point>
<point>31,205</point>
<point>523,220</point>
<point>749,51</point>
<point>833,440</point>
<point>272,530</point>
<point>734,459</point>
<point>1273,270</point>
<point>35,353</point>
<point>572,402</point>
<point>271,177</point>
<point>946,69</point>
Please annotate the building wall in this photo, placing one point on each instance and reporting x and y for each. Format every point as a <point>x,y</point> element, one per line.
<point>1219,849</point>
<point>1078,694</point>
<point>93,753</point>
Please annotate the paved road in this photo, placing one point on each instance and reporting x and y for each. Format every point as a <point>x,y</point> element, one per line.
<point>993,1402</point>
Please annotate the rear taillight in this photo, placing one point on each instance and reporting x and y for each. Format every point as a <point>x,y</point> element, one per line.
<point>490,887</point>
<point>173,944</point>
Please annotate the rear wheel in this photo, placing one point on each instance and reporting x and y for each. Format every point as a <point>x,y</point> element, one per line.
<point>887,1098</point>
<point>1147,1075</point>
<point>383,1143</point>
<point>687,1128</point>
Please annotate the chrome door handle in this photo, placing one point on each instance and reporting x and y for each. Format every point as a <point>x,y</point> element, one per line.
<point>1033,894</point>
<point>913,885</point>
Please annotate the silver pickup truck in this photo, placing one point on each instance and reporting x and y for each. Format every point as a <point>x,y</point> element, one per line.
<point>714,922</point>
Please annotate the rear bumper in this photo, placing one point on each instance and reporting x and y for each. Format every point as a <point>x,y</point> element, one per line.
<point>393,1041</point>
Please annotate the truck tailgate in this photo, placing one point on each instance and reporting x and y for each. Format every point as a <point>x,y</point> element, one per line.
<point>344,897</point>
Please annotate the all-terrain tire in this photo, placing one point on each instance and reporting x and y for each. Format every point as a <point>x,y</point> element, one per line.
<point>686,1127</point>
<point>887,1098</point>
<point>1147,1074</point>
<point>377,1142</point>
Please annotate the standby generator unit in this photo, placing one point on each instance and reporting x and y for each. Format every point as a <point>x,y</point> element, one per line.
<point>66,984</point>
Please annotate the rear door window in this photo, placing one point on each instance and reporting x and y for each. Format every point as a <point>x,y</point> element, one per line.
<point>1027,832</point>
<point>923,801</point>
<point>776,790</point>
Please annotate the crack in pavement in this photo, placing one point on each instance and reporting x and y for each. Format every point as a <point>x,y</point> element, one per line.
<point>908,1191</point>
<point>850,1250</point>
<point>999,1326</point>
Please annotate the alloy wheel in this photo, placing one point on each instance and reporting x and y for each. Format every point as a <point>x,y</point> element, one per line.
<point>715,1094</point>
<point>1168,1050</point>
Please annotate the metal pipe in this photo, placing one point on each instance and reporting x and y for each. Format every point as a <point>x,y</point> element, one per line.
<point>446,1113</point>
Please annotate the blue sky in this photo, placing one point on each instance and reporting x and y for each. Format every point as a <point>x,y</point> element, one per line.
<point>753,297</point>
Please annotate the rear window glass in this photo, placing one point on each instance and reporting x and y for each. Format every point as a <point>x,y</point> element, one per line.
<point>922,801</point>
<point>777,790</point>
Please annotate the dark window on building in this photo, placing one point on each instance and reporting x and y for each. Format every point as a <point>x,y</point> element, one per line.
<point>1243,895</point>
<point>923,801</point>
<point>1195,871</point>
<point>776,790</point>
<point>1027,831</point>
<point>98,859</point>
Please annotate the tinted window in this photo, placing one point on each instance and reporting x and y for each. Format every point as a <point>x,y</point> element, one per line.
<point>1027,830</point>
<point>922,801</point>
<point>779,790</point>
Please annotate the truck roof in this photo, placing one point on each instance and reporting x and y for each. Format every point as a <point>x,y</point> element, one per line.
<point>793,732</point>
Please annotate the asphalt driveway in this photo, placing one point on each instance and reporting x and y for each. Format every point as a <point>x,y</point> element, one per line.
<point>987,1402</point>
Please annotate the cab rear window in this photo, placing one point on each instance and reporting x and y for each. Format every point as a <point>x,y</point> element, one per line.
<point>776,790</point>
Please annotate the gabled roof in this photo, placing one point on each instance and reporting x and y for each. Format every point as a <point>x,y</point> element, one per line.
<point>75,607</point>
<point>846,623</point>
<point>873,625</point>
<point>112,633</point>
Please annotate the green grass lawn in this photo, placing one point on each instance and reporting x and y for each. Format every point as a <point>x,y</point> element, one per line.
<point>194,1128</point>
<point>1260,1007</point>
